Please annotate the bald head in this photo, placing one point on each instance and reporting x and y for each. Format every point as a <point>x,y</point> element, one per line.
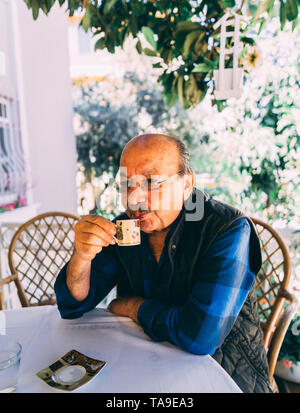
<point>149,142</point>
<point>158,144</point>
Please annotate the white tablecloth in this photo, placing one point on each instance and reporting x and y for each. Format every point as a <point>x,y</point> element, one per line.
<point>135,364</point>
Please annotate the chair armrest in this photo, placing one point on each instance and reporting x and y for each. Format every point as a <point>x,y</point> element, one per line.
<point>281,329</point>
<point>8,279</point>
<point>287,295</point>
<point>4,281</point>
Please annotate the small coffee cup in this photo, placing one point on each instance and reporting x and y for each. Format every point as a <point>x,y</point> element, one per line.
<point>128,232</point>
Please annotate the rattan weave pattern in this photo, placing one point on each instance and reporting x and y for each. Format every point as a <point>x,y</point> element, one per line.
<point>272,278</point>
<point>38,251</point>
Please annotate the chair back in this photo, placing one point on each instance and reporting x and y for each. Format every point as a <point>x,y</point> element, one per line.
<point>37,252</point>
<point>272,279</point>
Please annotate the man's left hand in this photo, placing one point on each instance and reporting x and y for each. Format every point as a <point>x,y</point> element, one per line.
<point>126,306</point>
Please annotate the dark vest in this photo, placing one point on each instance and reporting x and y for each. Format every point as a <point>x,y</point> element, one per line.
<point>242,353</point>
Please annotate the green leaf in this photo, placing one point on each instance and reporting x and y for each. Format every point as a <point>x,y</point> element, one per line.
<point>100,43</point>
<point>227,3</point>
<point>149,52</point>
<point>45,8</point>
<point>291,10</point>
<point>201,67</point>
<point>248,40</point>
<point>138,47</point>
<point>190,38</point>
<point>149,36</point>
<point>110,45</point>
<point>180,82</point>
<point>188,26</point>
<point>295,24</point>
<point>171,98</point>
<point>201,44</point>
<point>180,89</point>
<point>35,9</point>
<point>86,20</point>
<point>133,25</point>
<point>220,105</point>
<point>210,63</point>
<point>109,4</point>
<point>282,14</point>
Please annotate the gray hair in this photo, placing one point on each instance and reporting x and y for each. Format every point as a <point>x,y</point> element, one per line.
<point>184,156</point>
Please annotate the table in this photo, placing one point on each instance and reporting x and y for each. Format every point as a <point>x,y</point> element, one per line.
<point>135,363</point>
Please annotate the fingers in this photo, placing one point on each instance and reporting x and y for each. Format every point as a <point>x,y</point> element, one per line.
<point>92,239</point>
<point>92,233</point>
<point>102,222</point>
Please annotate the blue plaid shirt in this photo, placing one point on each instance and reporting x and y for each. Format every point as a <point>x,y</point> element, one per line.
<point>201,324</point>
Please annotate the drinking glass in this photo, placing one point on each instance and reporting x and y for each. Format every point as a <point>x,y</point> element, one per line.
<point>10,354</point>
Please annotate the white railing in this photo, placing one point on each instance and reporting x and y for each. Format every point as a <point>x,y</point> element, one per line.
<point>12,166</point>
<point>7,231</point>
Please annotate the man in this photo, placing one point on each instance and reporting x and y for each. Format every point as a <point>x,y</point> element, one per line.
<point>190,282</point>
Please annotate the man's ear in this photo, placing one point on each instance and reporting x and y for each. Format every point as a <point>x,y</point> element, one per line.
<point>188,184</point>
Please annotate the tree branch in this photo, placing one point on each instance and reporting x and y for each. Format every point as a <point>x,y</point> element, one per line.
<point>242,5</point>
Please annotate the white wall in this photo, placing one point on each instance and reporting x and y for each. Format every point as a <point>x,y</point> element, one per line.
<point>46,103</point>
<point>100,62</point>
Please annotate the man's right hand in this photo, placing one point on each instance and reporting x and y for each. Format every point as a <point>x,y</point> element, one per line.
<point>92,233</point>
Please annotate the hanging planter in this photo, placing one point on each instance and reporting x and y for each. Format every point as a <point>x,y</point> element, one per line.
<point>228,84</point>
<point>228,81</point>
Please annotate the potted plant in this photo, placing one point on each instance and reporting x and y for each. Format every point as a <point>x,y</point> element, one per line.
<point>288,365</point>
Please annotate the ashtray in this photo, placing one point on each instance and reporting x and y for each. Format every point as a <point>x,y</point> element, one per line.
<point>71,371</point>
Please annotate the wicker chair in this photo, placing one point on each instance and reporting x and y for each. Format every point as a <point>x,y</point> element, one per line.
<point>276,306</point>
<point>38,250</point>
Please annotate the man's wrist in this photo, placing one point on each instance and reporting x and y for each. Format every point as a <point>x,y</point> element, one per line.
<point>79,258</point>
<point>136,303</point>
<point>78,277</point>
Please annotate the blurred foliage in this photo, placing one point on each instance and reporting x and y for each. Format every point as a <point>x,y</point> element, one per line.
<point>247,155</point>
<point>110,113</point>
<point>275,174</point>
<point>178,35</point>
<point>253,150</point>
<point>290,349</point>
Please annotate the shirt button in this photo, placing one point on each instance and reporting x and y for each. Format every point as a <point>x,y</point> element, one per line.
<point>173,247</point>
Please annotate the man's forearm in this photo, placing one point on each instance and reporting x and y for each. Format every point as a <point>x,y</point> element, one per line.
<point>78,277</point>
<point>127,307</point>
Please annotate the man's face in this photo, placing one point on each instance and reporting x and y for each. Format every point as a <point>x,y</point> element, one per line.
<point>144,167</point>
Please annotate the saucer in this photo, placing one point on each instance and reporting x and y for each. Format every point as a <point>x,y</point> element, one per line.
<point>71,371</point>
